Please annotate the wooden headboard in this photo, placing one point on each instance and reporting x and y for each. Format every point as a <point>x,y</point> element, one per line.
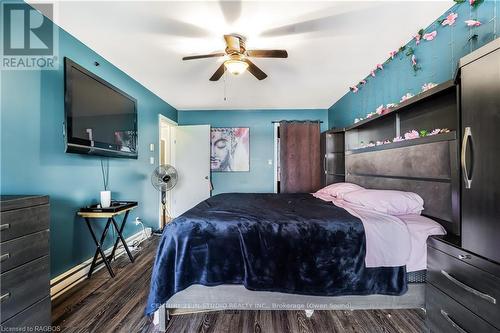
<point>427,166</point>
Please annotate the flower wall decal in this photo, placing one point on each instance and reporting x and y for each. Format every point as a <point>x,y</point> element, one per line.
<point>475,3</point>
<point>406,96</point>
<point>414,63</point>
<point>398,139</point>
<point>417,39</point>
<point>472,23</point>
<point>450,19</point>
<point>430,36</point>
<point>435,131</point>
<point>428,86</point>
<point>418,36</point>
<point>380,109</point>
<point>411,135</point>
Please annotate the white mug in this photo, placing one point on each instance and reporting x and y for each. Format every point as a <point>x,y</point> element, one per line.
<point>105,199</point>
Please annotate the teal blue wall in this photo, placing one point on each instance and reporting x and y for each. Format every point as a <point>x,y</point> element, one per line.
<point>33,159</point>
<point>438,60</point>
<point>260,177</point>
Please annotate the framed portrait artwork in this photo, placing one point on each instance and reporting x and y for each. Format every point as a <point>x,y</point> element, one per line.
<point>230,149</point>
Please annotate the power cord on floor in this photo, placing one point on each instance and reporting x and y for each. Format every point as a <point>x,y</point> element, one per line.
<point>135,245</point>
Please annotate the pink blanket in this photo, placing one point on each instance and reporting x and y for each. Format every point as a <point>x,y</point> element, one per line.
<point>392,240</point>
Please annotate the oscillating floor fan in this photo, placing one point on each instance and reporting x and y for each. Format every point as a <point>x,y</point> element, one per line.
<point>164,178</point>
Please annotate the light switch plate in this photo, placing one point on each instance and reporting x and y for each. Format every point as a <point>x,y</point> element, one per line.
<point>151,147</point>
<point>151,160</point>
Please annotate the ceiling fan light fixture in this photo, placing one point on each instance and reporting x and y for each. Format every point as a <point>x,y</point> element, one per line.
<point>235,58</point>
<point>235,67</point>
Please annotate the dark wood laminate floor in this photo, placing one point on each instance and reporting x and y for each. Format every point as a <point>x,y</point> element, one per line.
<point>103,304</point>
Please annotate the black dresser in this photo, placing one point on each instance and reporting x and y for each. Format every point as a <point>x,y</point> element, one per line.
<point>25,263</point>
<point>463,270</point>
<point>463,289</point>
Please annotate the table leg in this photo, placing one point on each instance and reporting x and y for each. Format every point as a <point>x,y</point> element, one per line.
<point>99,248</point>
<point>120,236</point>
<point>119,231</point>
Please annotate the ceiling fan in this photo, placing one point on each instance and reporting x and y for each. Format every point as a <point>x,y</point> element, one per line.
<point>238,61</point>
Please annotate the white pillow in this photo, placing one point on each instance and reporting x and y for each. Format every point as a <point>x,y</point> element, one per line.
<point>387,201</point>
<point>337,190</point>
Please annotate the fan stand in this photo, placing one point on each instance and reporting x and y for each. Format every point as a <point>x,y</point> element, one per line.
<point>165,212</point>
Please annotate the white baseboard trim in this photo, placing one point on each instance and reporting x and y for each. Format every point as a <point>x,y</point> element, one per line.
<point>77,274</point>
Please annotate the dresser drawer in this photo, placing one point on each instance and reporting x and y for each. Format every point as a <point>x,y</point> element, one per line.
<point>474,288</point>
<point>19,222</point>
<point>444,314</point>
<point>38,315</point>
<point>21,250</point>
<point>23,286</point>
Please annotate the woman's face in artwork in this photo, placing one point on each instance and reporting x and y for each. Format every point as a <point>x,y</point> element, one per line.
<point>221,151</point>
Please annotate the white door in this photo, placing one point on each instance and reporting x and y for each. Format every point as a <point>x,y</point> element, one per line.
<point>192,161</point>
<point>165,156</point>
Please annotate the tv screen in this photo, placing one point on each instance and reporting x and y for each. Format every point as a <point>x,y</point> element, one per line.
<point>100,118</point>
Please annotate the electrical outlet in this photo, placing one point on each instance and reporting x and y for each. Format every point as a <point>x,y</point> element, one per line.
<point>151,160</point>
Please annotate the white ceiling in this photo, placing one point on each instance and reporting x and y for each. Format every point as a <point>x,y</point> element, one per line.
<point>331,45</point>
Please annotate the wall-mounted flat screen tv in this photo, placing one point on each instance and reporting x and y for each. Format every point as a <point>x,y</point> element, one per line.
<point>100,118</point>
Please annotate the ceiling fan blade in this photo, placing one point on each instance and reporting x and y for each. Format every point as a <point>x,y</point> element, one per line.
<point>173,27</point>
<point>267,53</point>
<point>232,42</point>
<point>218,73</point>
<point>323,23</point>
<point>213,55</point>
<point>255,71</point>
<point>231,10</point>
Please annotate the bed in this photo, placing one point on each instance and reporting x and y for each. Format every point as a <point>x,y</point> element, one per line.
<point>292,251</point>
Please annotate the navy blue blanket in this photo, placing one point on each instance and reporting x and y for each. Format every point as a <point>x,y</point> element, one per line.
<point>292,243</point>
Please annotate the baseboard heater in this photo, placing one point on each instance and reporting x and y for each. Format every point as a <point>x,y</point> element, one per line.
<point>67,280</point>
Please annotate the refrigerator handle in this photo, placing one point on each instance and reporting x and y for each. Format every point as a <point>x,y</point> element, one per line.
<point>465,171</point>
